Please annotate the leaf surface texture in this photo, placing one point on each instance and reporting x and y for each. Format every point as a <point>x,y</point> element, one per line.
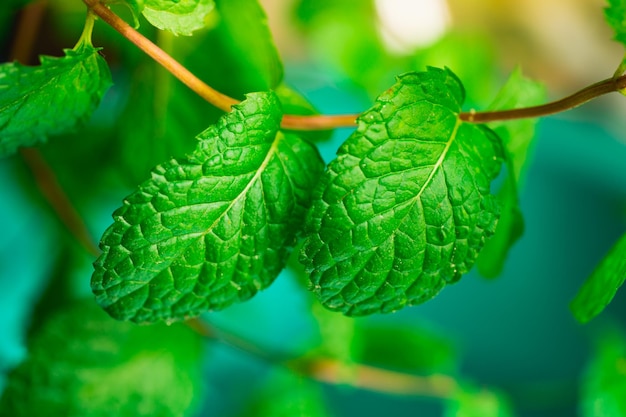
<point>213,228</point>
<point>49,99</point>
<point>406,206</point>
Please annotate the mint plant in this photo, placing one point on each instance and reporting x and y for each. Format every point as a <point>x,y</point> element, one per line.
<point>420,192</point>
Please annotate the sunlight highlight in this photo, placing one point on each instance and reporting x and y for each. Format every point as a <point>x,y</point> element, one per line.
<point>408,24</point>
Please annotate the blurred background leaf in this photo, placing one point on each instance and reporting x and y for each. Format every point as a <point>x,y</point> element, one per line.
<point>287,395</point>
<point>604,383</point>
<point>82,363</point>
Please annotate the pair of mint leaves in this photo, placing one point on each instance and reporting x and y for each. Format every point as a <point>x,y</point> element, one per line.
<point>404,209</point>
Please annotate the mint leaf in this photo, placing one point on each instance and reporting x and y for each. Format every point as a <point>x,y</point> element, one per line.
<point>213,228</point>
<point>82,363</point>
<point>600,288</point>
<point>49,99</point>
<point>405,208</point>
<point>518,138</point>
<point>604,382</point>
<point>615,15</point>
<point>181,17</point>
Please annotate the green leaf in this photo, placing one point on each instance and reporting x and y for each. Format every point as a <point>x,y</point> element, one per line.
<point>604,382</point>
<point>414,350</point>
<point>213,228</point>
<point>181,17</point>
<point>492,258</point>
<point>615,15</point>
<point>335,335</point>
<point>405,208</point>
<point>518,138</point>
<point>82,363</point>
<point>470,401</point>
<point>518,135</point>
<point>600,288</point>
<point>49,99</point>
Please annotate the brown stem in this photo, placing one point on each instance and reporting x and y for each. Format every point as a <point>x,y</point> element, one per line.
<point>332,371</point>
<point>219,100</point>
<point>322,122</point>
<point>610,85</point>
<point>375,379</point>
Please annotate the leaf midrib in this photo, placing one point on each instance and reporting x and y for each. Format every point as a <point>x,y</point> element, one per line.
<point>195,236</point>
<point>411,201</point>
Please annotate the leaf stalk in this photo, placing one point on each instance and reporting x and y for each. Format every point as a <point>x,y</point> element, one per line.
<point>219,100</point>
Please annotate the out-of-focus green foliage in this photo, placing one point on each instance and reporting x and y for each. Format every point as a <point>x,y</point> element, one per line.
<point>287,395</point>
<point>600,288</point>
<point>604,383</point>
<point>411,349</point>
<point>517,137</point>
<point>471,401</point>
<point>82,363</point>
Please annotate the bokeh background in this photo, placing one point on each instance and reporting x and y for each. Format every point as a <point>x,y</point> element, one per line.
<point>514,333</point>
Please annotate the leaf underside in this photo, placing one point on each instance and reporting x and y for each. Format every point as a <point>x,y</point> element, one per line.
<point>181,17</point>
<point>406,206</point>
<point>49,99</point>
<point>600,288</point>
<point>213,228</point>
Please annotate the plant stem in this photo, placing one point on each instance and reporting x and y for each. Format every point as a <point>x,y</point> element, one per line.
<point>321,122</point>
<point>211,95</point>
<point>610,85</point>
<point>332,371</point>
